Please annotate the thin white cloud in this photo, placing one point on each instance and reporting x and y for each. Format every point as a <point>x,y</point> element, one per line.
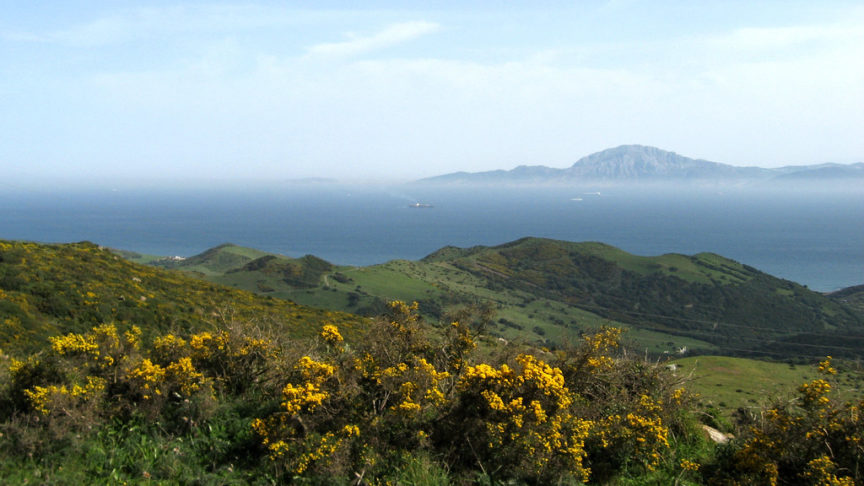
<point>392,35</point>
<point>761,38</point>
<point>158,22</point>
<point>763,96</point>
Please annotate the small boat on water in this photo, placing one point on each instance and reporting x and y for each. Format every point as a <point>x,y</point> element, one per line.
<point>420,205</point>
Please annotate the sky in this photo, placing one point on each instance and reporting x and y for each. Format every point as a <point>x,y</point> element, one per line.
<point>271,91</point>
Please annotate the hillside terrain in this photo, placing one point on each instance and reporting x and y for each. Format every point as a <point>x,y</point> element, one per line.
<point>548,292</point>
<point>851,296</point>
<point>644,163</point>
<point>51,289</point>
<point>112,369</point>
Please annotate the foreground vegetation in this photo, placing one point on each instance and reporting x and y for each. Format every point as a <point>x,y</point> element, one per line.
<point>51,289</point>
<point>197,383</point>
<point>404,404</point>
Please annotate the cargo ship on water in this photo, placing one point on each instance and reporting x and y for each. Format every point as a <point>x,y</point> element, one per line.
<point>419,205</point>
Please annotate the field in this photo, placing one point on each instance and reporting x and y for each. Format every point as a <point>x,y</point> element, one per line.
<point>728,383</point>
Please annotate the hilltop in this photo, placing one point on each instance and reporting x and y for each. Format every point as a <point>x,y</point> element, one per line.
<point>549,291</point>
<point>632,163</point>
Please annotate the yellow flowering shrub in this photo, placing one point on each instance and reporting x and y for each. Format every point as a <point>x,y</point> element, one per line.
<point>825,367</point>
<point>330,334</point>
<point>377,399</point>
<point>324,410</point>
<point>594,356</point>
<point>688,465</point>
<point>546,420</point>
<point>231,356</point>
<point>815,439</point>
<point>102,346</point>
<point>74,344</point>
<point>815,393</point>
<point>178,380</point>
<point>636,406</point>
<point>294,450</point>
<point>315,371</point>
<point>312,450</point>
<point>642,436</point>
<point>413,386</point>
<point>458,345</point>
<point>519,419</point>
<point>59,398</point>
<point>820,471</point>
<point>168,348</point>
<point>74,371</point>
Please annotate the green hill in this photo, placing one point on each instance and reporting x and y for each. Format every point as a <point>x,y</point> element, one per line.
<point>851,297</point>
<point>231,387</point>
<point>51,289</point>
<point>704,296</point>
<point>547,291</point>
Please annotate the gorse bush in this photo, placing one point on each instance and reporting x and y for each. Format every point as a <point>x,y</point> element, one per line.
<point>116,373</point>
<point>404,403</point>
<point>56,289</point>
<point>403,396</point>
<point>814,439</point>
<point>360,411</point>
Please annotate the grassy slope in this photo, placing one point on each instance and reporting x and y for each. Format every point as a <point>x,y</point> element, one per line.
<point>731,383</point>
<point>214,261</point>
<point>850,296</point>
<point>704,296</point>
<point>29,273</point>
<point>51,289</point>
<point>548,291</point>
<point>452,276</point>
<point>441,285</point>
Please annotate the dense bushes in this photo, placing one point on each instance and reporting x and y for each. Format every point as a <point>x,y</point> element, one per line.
<point>813,439</point>
<point>55,289</point>
<point>405,402</point>
<point>399,398</point>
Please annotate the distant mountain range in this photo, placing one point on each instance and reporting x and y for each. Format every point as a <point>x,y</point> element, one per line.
<point>643,163</point>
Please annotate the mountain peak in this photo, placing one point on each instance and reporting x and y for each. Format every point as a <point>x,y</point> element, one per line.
<point>641,161</point>
<point>631,163</point>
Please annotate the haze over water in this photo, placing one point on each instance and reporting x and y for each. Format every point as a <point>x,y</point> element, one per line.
<point>814,237</point>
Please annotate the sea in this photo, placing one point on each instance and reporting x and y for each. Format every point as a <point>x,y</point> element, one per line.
<point>813,236</point>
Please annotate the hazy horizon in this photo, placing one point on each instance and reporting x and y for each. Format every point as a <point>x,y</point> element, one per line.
<point>135,92</point>
<point>810,235</point>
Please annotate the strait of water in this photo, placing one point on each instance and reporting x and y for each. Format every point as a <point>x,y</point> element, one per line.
<point>814,237</point>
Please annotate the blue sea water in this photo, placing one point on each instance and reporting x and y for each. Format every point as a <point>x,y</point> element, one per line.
<point>814,237</point>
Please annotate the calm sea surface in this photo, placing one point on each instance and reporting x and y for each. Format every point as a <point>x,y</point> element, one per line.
<point>815,237</point>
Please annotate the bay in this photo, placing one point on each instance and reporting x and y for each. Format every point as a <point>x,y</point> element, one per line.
<point>811,236</point>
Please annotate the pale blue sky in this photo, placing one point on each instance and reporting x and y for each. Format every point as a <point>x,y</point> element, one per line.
<point>130,91</point>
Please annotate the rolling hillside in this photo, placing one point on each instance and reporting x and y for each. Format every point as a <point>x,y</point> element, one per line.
<point>547,291</point>
<point>851,296</point>
<point>51,289</point>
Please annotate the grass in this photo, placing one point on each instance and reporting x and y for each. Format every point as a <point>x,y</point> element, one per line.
<point>731,383</point>
<point>54,289</point>
<point>395,280</point>
<point>538,287</point>
<point>219,260</point>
